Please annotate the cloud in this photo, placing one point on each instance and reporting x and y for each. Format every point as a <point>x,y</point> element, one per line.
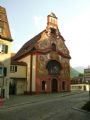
<point>37,20</point>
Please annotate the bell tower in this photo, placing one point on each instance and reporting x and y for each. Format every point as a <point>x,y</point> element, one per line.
<point>4,26</point>
<point>52,21</point>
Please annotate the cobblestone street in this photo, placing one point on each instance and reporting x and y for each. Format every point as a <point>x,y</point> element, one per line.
<point>45,107</point>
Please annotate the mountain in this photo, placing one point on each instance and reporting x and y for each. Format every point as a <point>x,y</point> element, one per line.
<point>80,69</point>
<point>74,73</point>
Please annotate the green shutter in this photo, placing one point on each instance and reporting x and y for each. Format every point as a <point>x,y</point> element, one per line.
<point>5,71</point>
<point>15,68</point>
<point>6,49</point>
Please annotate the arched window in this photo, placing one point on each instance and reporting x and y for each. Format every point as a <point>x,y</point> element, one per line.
<point>53,67</point>
<point>53,47</point>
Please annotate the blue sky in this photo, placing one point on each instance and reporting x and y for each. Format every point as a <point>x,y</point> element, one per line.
<point>29,17</point>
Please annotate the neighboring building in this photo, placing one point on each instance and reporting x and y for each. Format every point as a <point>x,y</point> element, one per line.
<point>87,74</point>
<point>79,83</point>
<point>47,59</point>
<point>5,53</point>
<point>18,81</point>
<point>87,77</point>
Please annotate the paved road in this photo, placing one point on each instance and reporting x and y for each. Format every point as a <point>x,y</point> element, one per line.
<point>48,107</point>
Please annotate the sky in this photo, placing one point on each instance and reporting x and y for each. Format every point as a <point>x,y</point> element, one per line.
<point>27,18</point>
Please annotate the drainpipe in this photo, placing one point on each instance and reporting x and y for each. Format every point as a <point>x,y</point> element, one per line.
<point>31,75</point>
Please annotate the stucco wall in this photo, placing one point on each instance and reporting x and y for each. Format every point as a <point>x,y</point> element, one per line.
<point>27,61</point>
<point>5,59</point>
<point>21,87</point>
<point>21,72</point>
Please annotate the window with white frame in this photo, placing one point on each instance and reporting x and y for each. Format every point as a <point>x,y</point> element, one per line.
<point>3,48</point>
<point>13,68</point>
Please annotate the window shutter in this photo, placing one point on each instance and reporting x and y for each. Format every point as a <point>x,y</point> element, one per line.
<point>5,71</point>
<point>1,71</point>
<point>15,68</point>
<point>3,48</point>
<point>6,49</point>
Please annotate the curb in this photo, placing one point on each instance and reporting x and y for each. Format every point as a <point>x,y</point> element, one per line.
<point>81,110</point>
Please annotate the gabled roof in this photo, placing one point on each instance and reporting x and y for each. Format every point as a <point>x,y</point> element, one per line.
<point>27,47</point>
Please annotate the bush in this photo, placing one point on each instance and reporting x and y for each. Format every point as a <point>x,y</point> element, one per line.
<point>86,106</point>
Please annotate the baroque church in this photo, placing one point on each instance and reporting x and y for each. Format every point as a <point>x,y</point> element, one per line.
<point>42,65</point>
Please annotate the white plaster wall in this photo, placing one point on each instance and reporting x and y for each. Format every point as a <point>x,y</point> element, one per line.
<point>21,72</point>
<point>27,61</point>
<point>21,87</point>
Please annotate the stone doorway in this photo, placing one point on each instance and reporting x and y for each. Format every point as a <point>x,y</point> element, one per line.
<point>54,85</point>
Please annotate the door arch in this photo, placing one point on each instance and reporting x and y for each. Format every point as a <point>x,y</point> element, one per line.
<point>54,85</point>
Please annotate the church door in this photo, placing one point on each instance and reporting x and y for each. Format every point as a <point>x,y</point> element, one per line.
<point>54,85</point>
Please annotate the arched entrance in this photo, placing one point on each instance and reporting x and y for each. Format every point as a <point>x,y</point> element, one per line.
<point>54,85</point>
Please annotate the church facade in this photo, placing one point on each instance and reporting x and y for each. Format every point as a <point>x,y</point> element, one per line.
<point>42,65</point>
<point>47,60</point>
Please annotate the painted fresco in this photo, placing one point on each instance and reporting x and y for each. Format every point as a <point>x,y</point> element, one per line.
<point>45,44</point>
<point>41,69</point>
